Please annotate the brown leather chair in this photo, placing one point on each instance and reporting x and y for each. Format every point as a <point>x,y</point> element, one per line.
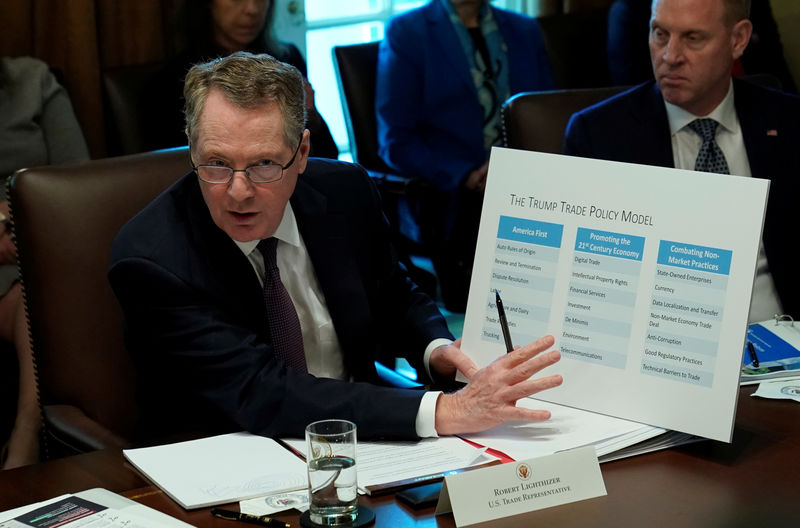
<point>537,120</point>
<point>65,219</point>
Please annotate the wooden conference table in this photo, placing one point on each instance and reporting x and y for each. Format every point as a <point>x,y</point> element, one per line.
<point>752,482</point>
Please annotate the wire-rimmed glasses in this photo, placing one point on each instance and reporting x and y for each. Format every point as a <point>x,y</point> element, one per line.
<point>260,173</point>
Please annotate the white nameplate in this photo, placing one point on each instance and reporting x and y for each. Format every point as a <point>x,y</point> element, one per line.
<point>519,487</point>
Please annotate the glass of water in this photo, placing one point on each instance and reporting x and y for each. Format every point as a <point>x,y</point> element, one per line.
<point>332,486</point>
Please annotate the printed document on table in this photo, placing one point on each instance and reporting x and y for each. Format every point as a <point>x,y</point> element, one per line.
<point>568,428</point>
<point>220,469</point>
<point>93,508</point>
<point>387,464</point>
<point>642,274</point>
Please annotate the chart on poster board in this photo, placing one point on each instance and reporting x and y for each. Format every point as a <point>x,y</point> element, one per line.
<point>642,274</point>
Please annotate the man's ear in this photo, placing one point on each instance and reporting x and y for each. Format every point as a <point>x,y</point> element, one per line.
<point>740,37</point>
<point>302,152</point>
<point>189,142</point>
<point>188,138</point>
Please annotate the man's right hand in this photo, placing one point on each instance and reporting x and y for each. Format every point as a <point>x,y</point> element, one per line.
<point>490,397</point>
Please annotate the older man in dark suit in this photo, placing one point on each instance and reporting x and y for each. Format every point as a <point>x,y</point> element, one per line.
<point>694,116</point>
<point>261,283</point>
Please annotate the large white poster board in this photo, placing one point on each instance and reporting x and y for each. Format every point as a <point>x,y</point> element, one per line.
<point>642,274</point>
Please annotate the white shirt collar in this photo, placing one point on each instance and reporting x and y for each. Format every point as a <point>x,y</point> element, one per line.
<point>287,231</point>
<point>724,114</point>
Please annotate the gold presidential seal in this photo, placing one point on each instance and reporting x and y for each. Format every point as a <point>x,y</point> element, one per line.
<point>523,471</point>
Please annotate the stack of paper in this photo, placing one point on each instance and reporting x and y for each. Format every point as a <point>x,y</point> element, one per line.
<point>220,469</point>
<point>240,466</point>
<point>569,428</point>
<point>383,466</point>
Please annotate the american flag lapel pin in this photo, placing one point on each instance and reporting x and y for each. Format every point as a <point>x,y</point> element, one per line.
<point>772,132</point>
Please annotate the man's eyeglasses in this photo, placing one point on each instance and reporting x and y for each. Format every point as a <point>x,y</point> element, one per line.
<point>262,173</point>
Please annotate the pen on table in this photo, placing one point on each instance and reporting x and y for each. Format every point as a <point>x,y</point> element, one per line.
<point>501,314</point>
<point>261,520</point>
<point>753,356</point>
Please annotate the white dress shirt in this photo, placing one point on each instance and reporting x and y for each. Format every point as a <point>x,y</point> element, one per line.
<point>685,147</point>
<point>324,357</point>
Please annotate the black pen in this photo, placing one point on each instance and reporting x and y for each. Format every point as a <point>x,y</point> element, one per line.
<point>501,314</point>
<point>261,520</point>
<point>753,356</point>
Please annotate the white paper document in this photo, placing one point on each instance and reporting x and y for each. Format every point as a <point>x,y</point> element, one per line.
<point>93,508</point>
<point>568,428</point>
<point>394,462</point>
<point>220,469</point>
<point>756,382</point>
<point>779,390</point>
<point>643,275</point>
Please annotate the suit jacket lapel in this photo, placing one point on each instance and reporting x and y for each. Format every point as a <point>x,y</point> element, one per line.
<point>654,133</point>
<point>332,255</point>
<point>230,272</point>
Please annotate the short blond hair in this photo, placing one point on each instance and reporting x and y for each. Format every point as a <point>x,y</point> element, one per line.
<point>735,10</point>
<point>248,81</point>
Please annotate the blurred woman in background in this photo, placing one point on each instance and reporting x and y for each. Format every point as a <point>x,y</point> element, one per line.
<point>37,127</point>
<point>216,28</point>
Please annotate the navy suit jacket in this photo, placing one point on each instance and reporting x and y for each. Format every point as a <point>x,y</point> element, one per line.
<point>633,127</point>
<point>196,320</point>
<point>430,123</point>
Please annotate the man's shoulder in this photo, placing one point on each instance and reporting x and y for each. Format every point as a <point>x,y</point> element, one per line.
<point>335,187</point>
<point>329,173</point>
<point>765,99</point>
<point>162,219</point>
<point>630,127</point>
<point>637,98</point>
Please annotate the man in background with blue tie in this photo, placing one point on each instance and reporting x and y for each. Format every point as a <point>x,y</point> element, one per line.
<point>259,285</point>
<point>695,116</point>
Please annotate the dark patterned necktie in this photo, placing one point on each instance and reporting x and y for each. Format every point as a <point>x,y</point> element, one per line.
<point>710,158</point>
<point>282,320</point>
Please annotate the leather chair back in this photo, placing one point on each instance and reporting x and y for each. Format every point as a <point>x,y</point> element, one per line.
<point>124,90</point>
<point>537,120</point>
<point>65,219</point>
<point>356,70</point>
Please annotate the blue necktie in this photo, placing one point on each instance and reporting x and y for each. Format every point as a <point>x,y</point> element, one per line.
<point>710,158</point>
<point>282,320</point>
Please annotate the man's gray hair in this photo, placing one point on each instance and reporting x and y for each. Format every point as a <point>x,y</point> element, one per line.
<point>735,10</point>
<point>248,81</point>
